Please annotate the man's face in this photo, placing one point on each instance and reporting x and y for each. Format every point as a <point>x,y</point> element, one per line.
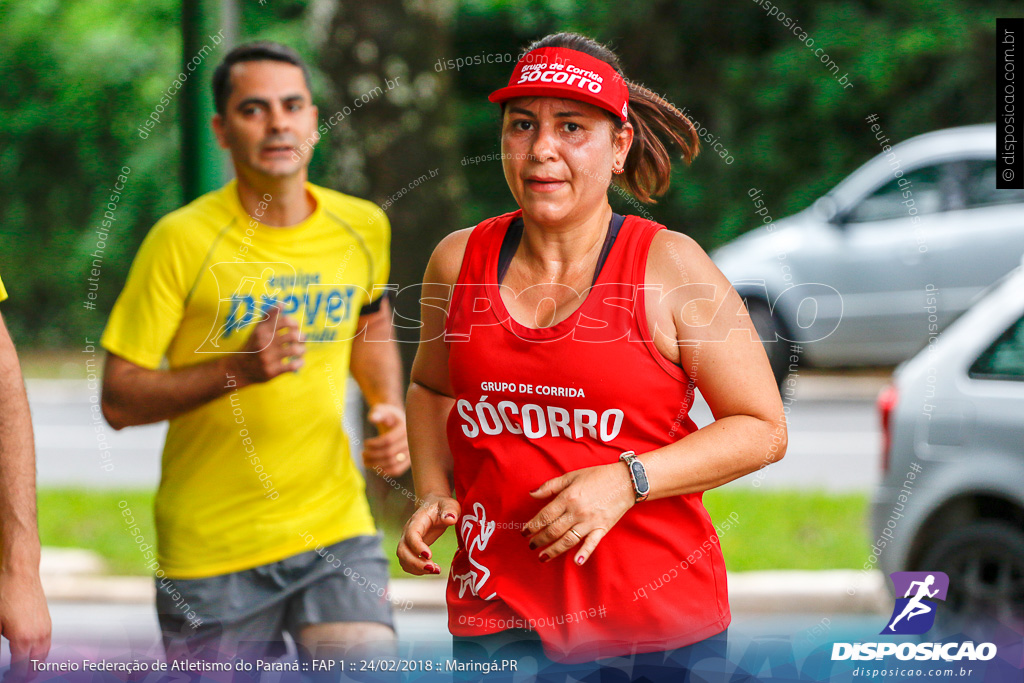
<point>269,114</point>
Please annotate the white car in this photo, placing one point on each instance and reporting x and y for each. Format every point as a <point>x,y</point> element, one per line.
<point>951,498</point>
<point>851,277</point>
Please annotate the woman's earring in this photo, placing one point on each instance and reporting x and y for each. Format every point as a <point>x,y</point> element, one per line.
<point>618,170</point>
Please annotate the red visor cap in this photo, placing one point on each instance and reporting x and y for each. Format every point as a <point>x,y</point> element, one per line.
<point>561,72</point>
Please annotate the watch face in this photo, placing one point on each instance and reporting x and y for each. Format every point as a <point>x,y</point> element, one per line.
<point>640,476</point>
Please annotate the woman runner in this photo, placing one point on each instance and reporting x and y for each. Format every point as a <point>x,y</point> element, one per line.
<point>560,347</point>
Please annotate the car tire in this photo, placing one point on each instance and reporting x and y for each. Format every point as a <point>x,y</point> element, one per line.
<point>772,333</point>
<point>985,564</point>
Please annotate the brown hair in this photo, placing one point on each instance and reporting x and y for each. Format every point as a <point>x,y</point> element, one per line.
<point>649,164</point>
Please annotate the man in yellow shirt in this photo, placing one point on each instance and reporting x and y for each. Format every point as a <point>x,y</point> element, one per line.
<point>24,617</point>
<point>262,297</point>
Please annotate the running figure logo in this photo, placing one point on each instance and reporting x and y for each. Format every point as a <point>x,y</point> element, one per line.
<point>476,531</point>
<point>914,613</point>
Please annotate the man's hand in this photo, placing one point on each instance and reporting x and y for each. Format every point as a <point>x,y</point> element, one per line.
<point>24,621</point>
<point>274,348</point>
<point>387,453</point>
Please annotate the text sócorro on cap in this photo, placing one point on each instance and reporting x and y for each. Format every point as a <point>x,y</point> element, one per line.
<point>561,72</point>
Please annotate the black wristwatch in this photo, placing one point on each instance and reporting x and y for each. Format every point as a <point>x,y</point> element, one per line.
<point>638,474</point>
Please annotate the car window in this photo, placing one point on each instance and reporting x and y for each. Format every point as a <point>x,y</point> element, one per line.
<point>980,185</point>
<point>1004,359</point>
<point>921,189</point>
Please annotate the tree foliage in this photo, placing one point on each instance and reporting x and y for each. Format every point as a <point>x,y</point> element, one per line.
<point>79,78</point>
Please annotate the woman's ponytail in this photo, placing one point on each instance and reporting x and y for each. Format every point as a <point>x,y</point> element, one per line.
<point>649,165</point>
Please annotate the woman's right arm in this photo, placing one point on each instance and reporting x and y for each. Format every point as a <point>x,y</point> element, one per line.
<point>428,402</point>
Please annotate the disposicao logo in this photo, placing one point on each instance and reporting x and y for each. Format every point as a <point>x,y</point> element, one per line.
<point>914,614</point>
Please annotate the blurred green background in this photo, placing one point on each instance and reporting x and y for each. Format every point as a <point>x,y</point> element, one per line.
<point>79,78</point>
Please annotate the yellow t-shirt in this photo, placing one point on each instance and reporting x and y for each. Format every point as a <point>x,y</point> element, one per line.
<point>246,476</point>
<point>3,292</point>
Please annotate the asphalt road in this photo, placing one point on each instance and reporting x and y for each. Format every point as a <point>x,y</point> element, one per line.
<point>834,438</point>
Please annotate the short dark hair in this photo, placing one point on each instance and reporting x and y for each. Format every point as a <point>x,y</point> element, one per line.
<point>256,51</point>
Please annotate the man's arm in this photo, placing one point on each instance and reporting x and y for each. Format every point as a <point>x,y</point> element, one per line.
<point>24,617</point>
<point>134,395</point>
<point>376,365</point>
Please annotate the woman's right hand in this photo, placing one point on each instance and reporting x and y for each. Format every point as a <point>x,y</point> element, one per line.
<point>435,514</point>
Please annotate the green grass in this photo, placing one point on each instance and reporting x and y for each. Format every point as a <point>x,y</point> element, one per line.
<point>791,530</point>
<point>770,529</point>
<point>66,364</point>
<point>91,519</point>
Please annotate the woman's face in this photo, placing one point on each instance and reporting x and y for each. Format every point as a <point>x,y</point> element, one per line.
<point>558,156</point>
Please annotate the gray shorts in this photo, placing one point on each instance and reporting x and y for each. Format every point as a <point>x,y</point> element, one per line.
<point>246,613</point>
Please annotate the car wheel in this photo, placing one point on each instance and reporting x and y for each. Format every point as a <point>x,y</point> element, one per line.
<point>985,564</point>
<point>771,332</point>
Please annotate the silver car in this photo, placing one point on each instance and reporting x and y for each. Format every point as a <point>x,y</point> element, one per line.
<point>951,497</point>
<point>848,277</point>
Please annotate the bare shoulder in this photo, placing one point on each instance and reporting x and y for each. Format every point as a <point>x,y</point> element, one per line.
<point>676,259</point>
<point>446,260</point>
<point>691,289</point>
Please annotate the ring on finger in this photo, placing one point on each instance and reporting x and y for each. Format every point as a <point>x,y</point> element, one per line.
<point>576,534</point>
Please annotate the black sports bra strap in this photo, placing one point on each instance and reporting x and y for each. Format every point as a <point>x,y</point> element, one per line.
<point>509,246</point>
<point>515,233</point>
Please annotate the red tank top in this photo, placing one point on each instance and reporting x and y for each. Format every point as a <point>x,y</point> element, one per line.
<point>533,404</point>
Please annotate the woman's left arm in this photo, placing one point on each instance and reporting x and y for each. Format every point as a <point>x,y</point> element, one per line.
<point>698,312</point>
<point>720,350</point>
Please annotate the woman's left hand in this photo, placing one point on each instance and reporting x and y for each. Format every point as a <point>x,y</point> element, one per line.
<point>589,502</point>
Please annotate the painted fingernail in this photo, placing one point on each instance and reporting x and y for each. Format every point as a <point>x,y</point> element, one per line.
<point>579,560</point>
<point>544,558</point>
<point>525,532</point>
<point>533,546</point>
<point>425,555</point>
<point>449,515</point>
